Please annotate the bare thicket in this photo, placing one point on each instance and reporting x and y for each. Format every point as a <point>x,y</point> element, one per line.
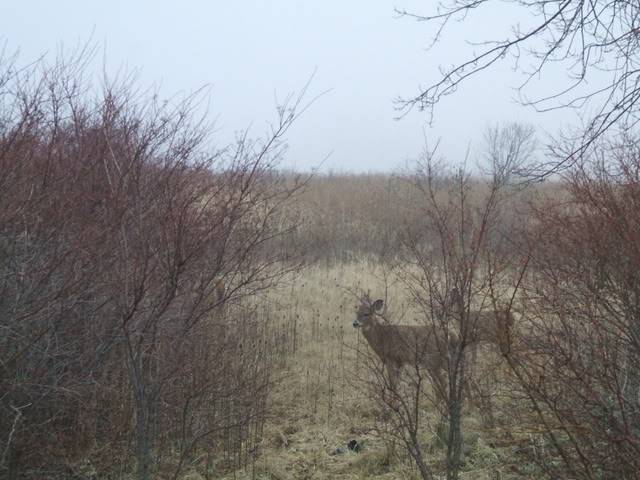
<point>347,217</point>
<point>577,355</point>
<point>456,265</point>
<point>128,248</point>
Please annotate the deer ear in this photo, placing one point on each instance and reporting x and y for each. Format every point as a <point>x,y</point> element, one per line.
<point>378,304</point>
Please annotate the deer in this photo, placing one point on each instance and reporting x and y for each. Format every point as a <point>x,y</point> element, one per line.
<point>400,345</point>
<point>483,326</point>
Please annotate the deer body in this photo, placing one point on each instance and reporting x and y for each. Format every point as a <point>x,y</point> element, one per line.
<point>404,344</point>
<point>489,327</point>
<point>424,345</point>
<point>400,345</point>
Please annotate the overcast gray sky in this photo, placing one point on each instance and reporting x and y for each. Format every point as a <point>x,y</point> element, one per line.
<point>251,51</point>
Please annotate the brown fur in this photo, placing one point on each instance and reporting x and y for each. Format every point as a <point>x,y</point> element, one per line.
<point>399,345</point>
<point>491,327</point>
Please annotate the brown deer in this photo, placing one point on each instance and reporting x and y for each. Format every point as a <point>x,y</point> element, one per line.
<point>484,326</point>
<point>399,345</point>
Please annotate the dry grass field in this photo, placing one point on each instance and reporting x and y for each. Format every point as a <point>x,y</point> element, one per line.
<point>319,402</point>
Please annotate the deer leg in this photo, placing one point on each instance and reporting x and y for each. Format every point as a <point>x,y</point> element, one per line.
<point>471,374</point>
<point>393,372</point>
<point>439,387</point>
<point>441,400</point>
<point>391,377</point>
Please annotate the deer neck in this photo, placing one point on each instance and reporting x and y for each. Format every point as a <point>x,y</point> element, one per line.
<point>369,331</point>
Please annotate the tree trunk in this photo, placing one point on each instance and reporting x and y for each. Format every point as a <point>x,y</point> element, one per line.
<point>145,403</point>
<point>454,441</point>
<point>143,440</point>
<point>454,438</point>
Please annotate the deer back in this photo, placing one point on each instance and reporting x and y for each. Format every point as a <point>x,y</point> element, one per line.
<point>407,344</point>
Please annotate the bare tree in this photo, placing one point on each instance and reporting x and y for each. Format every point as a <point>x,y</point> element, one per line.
<point>118,225</point>
<point>595,43</point>
<point>456,269</point>
<point>578,361</point>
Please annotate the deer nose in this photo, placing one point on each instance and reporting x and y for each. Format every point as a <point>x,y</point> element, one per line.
<point>356,324</point>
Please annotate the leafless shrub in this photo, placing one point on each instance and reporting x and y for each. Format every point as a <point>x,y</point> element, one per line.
<point>579,363</point>
<point>345,218</point>
<point>456,269</point>
<point>117,228</point>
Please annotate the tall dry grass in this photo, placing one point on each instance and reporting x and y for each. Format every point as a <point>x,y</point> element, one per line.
<point>346,217</point>
<point>322,394</point>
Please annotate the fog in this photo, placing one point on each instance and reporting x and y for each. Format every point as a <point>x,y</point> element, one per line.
<point>252,53</point>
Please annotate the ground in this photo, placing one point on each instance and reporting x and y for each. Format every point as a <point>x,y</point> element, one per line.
<point>317,404</point>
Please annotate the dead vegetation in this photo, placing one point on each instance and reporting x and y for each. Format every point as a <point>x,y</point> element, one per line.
<point>156,322</point>
<point>120,352</point>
